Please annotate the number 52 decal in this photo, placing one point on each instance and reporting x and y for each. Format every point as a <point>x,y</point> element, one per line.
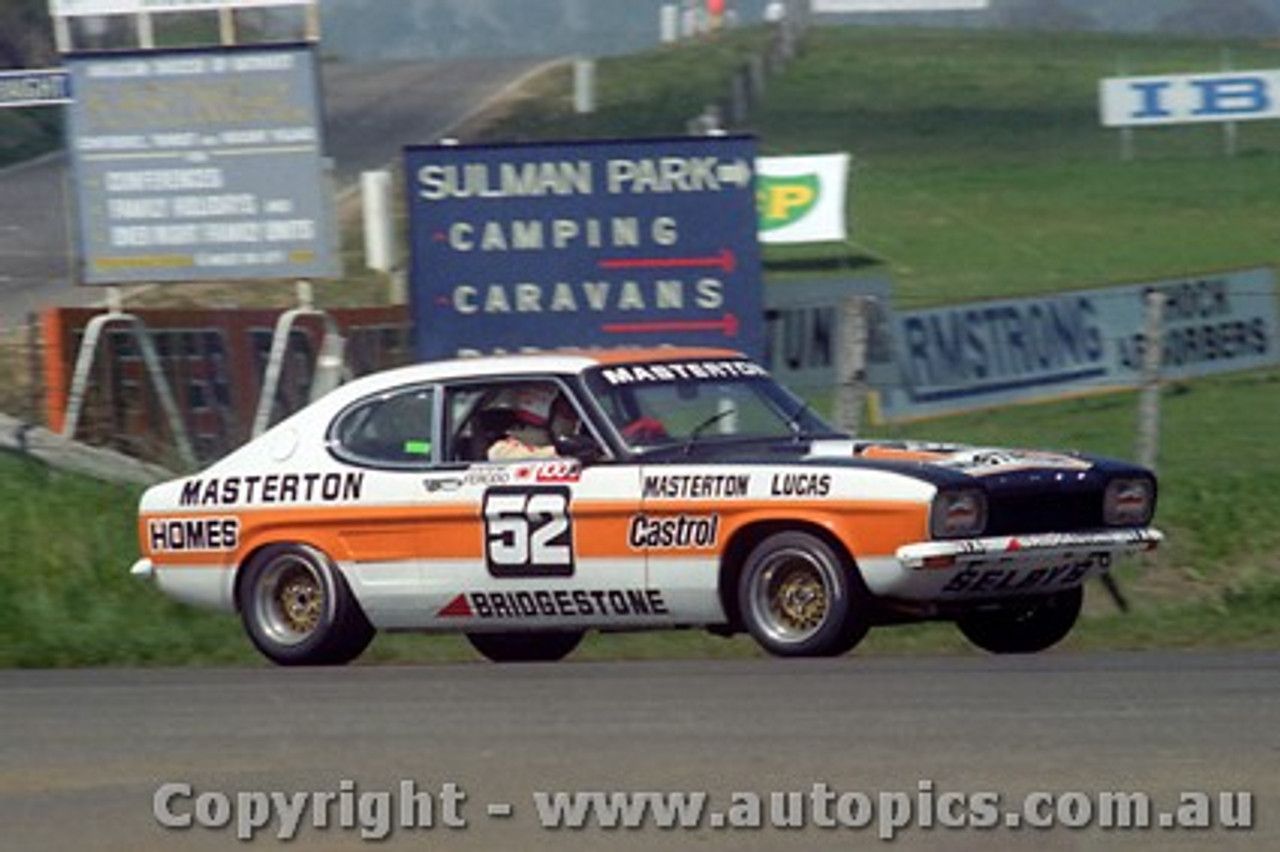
<point>528,532</point>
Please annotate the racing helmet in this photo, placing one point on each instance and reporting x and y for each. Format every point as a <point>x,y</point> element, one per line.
<point>529,404</point>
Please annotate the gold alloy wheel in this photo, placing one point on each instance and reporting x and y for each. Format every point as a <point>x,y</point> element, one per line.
<point>791,600</point>
<point>798,599</point>
<point>290,599</point>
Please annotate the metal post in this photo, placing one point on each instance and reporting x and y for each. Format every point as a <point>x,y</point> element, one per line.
<point>329,367</point>
<point>146,31</point>
<point>84,366</point>
<point>226,26</point>
<point>1230,129</point>
<point>62,33</point>
<point>313,22</point>
<point>1149,405</point>
<point>36,387</point>
<point>584,86</point>
<point>851,365</point>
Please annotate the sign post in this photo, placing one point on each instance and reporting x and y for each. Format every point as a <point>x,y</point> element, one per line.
<point>200,164</point>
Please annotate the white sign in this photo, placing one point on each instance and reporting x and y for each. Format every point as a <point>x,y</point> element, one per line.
<point>80,8</point>
<point>37,87</point>
<point>200,166</point>
<point>848,6</point>
<point>802,199</point>
<point>1190,98</point>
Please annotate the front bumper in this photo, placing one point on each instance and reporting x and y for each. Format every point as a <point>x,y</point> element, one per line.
<point>1012,566</point>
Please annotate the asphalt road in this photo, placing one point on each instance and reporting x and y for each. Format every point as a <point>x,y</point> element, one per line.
<point>371,111</point>
<point>83,754</point>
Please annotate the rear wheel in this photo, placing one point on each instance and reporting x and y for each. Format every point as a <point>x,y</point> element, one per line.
<point>1027,627</point>
<point>298,610</point>
<point>799,597</point>
<point>542,646</point>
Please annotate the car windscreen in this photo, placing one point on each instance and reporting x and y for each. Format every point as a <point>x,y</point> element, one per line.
<point>659,404</point>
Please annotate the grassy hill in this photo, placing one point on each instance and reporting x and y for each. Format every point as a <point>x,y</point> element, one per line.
<point>981,171</point>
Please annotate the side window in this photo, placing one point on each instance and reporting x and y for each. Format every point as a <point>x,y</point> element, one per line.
<point>393,429</point>
<point>533,413</point>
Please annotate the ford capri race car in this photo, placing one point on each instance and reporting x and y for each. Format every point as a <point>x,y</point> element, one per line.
<point>526,499</point>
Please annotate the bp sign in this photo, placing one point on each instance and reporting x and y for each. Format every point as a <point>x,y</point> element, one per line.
<point>613,243</point>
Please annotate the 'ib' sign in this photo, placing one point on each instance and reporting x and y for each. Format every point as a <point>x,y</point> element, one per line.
<point>1189,98</point>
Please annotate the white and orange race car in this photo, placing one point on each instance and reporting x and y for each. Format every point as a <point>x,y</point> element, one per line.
<point>526,499</point>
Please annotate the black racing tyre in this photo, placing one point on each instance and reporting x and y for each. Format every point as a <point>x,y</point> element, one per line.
<point>1026,627</point>
<point>540,646</point>
<point>298,610</point>
<point>799,597</point>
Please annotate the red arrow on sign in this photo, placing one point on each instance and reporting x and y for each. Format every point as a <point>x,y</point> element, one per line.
<point>727,325</point>
<point>724,260</point>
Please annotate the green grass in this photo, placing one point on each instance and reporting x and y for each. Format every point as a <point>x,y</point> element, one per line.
<point>980,172</point>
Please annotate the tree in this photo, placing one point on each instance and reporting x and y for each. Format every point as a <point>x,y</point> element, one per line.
<point>26,34</point>
<point>1220,19</point>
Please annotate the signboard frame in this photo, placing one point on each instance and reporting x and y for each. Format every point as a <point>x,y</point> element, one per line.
<point>87,8</point>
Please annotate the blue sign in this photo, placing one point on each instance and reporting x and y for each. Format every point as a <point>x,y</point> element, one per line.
<point>592,244</point>
<point>995,353</point>
<point>35,88</point>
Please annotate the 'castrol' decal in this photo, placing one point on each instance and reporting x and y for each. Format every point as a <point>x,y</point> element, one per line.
<point>673,531</point>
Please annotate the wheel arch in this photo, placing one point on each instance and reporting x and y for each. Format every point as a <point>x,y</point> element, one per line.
<point>745,539</point>
<point>278,538</point>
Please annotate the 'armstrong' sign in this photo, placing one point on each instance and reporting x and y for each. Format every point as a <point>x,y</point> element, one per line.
<point>993,353</point>
<point>584,244</point>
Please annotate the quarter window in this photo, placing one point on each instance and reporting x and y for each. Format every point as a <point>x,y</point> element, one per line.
<point>392,429</point>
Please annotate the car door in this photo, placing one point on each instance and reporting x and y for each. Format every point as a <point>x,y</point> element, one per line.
<point>391,438</point>
<point>526,543</point>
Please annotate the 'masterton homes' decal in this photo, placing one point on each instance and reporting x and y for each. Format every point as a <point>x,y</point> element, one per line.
<point>174,535</point>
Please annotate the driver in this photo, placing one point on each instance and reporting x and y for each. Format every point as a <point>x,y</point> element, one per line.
<point>540,414</point>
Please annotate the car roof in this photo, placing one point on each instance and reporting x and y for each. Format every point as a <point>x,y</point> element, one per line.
<point>558,362</point>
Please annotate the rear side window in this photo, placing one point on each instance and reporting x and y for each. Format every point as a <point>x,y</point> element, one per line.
<point>394,429</point>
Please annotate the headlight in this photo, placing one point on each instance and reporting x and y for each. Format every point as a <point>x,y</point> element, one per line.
<point>958,514</point>
<point>1129,502</point>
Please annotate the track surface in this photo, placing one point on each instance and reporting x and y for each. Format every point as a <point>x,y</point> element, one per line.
<point>83,752</point>
<point>371,111</point>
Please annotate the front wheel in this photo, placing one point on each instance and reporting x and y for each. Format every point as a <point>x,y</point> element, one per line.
<point>542,646</point>
<point>298,610</point>
<point>799,597</point>
<point>1027,627</point>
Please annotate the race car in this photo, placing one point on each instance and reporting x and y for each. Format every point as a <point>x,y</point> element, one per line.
<point>526,499</point>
